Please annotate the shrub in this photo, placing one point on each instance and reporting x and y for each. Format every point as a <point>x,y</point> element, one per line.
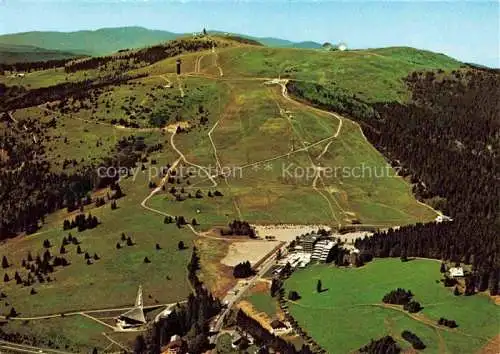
<point>413,339</point>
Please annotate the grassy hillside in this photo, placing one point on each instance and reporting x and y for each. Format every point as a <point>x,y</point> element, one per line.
<point>373,75</point>
<point>350,312</point>
<point>12,53</point>
<point>99,42</point>
<point>232,119</point>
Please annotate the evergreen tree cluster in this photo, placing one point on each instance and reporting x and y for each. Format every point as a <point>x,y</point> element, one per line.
<point>142,57</point>
<point>81,222</point>
<point>447,145</point>
<point>413,339</point>
<point>276,286</point>
<point>189,320</point>
<point>30,189</point>
<point>239,228</point>
<point>293,295</point>
<point>243,270</point>
<point>34,65</point>
<point>385,345</point>
<point>458,241</point>
<point>412,306</point>
<point>398,297</point>
<point>36,340</point>
<point>38,268</point>
<point>448,323</point>
<point>17,99</point>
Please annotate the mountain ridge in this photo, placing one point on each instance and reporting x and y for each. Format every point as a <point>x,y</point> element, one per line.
<point>107,40</point>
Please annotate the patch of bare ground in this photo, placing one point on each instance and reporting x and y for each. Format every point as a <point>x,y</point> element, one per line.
<point>496,299</point>
<point>261,317</point>
<point>252,251</point>
<point>286,232</point>
<point>410,351</point>
<point>350,237</point>
<point>492,347</point>
<point>217,276</point>
<point>4,156</point>
<point>172,128</point>
<point>261,287</point>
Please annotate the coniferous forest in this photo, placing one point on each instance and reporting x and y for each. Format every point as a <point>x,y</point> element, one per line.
<point>446,142</point>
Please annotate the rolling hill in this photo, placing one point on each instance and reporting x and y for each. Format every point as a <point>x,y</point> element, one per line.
<point>13,53</point>
<point>99,42</point>
<point>226,109</point>
<point>108,40</point>
<point>283,43</point>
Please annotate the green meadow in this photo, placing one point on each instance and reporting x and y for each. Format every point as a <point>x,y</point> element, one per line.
<point>349,313</point>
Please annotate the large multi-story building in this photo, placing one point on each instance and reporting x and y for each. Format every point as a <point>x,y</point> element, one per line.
<point>308,241</point>
<point>322,249</point>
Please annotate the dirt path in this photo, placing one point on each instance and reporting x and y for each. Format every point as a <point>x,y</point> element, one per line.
<point>197,64</point>
<point>11,347</point>
<point>158,188</point>
<point>216,61</point>
<point>126,349</point>
<point>219,166</point>
<point>98,321</point>
<point>205,170</point>
<point>79,312</point>
<point>317,176</point>
<point>324,150</point>
<point>179,82</point>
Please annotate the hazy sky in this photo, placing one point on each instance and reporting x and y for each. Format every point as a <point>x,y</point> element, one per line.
<point>468,31</point>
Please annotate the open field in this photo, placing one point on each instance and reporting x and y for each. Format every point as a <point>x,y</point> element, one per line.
<point>111,281</point>
<point>251,127</point>
<point>373,75</point>
<point>350,312</point>
<point>46,78</point>
<point>251,251</point>
<point>262,301</point>
<point>75,334</point>
<point>275,149</point>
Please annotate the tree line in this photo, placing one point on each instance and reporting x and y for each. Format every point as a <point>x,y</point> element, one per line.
<point>446,142</point>
<point>16,98</point>
<point>35,65</point>
<point>30,188</point>
<point>188,320</point>
<point>144,56</point>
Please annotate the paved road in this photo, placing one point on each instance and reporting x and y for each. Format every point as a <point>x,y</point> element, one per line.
<point>73,313</point>
<point>231,298</point>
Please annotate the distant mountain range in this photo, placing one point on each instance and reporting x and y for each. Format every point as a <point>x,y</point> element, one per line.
<point>13,53</point>
<point>41,45</point>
